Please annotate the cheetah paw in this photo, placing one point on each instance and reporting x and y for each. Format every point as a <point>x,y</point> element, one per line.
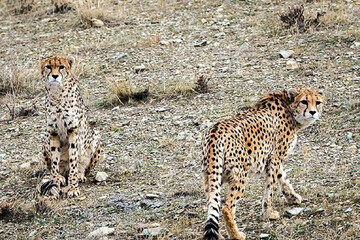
<point>82,178</point>
<point>73,192</point>
<point>294,199</point>
<point>59,180</point>
<point>272,215</point>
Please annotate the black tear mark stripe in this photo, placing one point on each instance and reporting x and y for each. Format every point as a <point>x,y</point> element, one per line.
<point>307,105</point>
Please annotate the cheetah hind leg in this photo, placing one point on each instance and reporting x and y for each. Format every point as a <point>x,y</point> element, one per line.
<point>228,210</point>
<point>96,156</point>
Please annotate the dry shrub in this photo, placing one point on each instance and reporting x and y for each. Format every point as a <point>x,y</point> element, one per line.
<point>19,6</point>
<point>14,211</point>
<point>61,6</point>
<point>14,78</point>
<point>295,18</point>
<point>88,10</point>
<point>123,93</point>
<point>202,84</point>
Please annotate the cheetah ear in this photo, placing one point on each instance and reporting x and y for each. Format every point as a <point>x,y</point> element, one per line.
<point>70,61</point>
<point>292,93</point>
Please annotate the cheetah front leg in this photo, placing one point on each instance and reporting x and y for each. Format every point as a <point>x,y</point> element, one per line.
<point>286,188</point>
<point>55,160</point>
<point>73,190</point>
<point>267,210</point>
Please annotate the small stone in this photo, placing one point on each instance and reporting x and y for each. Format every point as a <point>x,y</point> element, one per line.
<point>96,23</point>
<point>120,56</point>
<point>153,231</point>
<point>349,135</point>
<point>291,64</point>
<point>264,236</point>
<point>201,44</point>
<point>348,210</point>
<point>140,68</point>
<point>25,165</point>
<point>244,46</point>
<point>2,155</point>
<point>308,209</point>
<point>100,232</point>
<point>32,233</point>
<point>151,196</point>
<point>286,53</point>
<point>45,20</point>
<point>161,109</point>
<point>294,211</point>
<point>355,67</point>
<point>164,42</point>
<point>355,45</point>
<point>101,176</point>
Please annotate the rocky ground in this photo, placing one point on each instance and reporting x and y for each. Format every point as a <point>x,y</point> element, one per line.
<point>152,147</point>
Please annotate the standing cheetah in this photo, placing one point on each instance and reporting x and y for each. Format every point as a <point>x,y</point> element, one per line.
<point>258,140</point>
<point>71,148</point>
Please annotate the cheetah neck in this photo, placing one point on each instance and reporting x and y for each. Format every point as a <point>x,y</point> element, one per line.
<point>56,93</point>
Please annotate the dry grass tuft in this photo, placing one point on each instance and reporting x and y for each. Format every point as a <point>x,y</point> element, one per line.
<point>15,78</point>
<point>202,84</point>
<point>61,6</point>
<point>123,93</point>
<point>14,211</point>
<point>91,11</point>
<point>295,18</point>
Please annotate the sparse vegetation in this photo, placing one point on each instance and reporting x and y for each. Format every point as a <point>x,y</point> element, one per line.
<point>295,18</point>
<point>152,146</point>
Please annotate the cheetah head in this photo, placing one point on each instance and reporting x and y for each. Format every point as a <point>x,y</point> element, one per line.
<point>55,69</point>
<point>307,105</point>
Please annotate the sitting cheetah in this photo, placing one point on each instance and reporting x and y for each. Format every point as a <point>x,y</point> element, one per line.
<point>71,148</point>
<point>258,140</point>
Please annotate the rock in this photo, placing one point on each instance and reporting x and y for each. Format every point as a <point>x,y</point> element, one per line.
<point>201,44</point>
<point>161,109</point>
<point>96,23</point>
<point>2,155</point>
<point>120,56</point>
<point>32,233</point>
<point>355,67</point>
<point>244,46</point>
<point>348,210</point>
<point>146,225</point>
<point>101,176</point>
<point>355,45</point>
<point>164,42</point>
<point>349,135</point>
<point>291,64</point>
<point>45,20</point>
<point>294,211</point>
<point>286,53</point>
<point>153,231</point>
<point>140,68</point>
<point>147,203</point>
<point>264,236</point>
<point>308,209</point>
<point>100,232</point>
<point>151,196</point>
<point>25,165</point>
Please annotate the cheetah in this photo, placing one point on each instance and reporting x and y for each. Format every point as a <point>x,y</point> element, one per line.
<point>254,141</point>
<point>71,147</point>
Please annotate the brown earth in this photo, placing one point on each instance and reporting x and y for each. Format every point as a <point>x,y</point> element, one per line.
<point>153,146</point>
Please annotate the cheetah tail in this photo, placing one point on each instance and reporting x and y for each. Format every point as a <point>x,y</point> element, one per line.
<point>213,189</point>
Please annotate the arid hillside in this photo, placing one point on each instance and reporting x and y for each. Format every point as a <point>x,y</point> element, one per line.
<point>154,75</point>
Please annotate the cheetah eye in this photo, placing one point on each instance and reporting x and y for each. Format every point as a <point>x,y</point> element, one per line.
<point>318,102</point>
<point>61,67</point>
<point>304,102</point>
<point>48,67</point>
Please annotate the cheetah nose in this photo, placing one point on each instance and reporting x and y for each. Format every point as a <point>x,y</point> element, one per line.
<point>312,112</point>
<point>55,76</point>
